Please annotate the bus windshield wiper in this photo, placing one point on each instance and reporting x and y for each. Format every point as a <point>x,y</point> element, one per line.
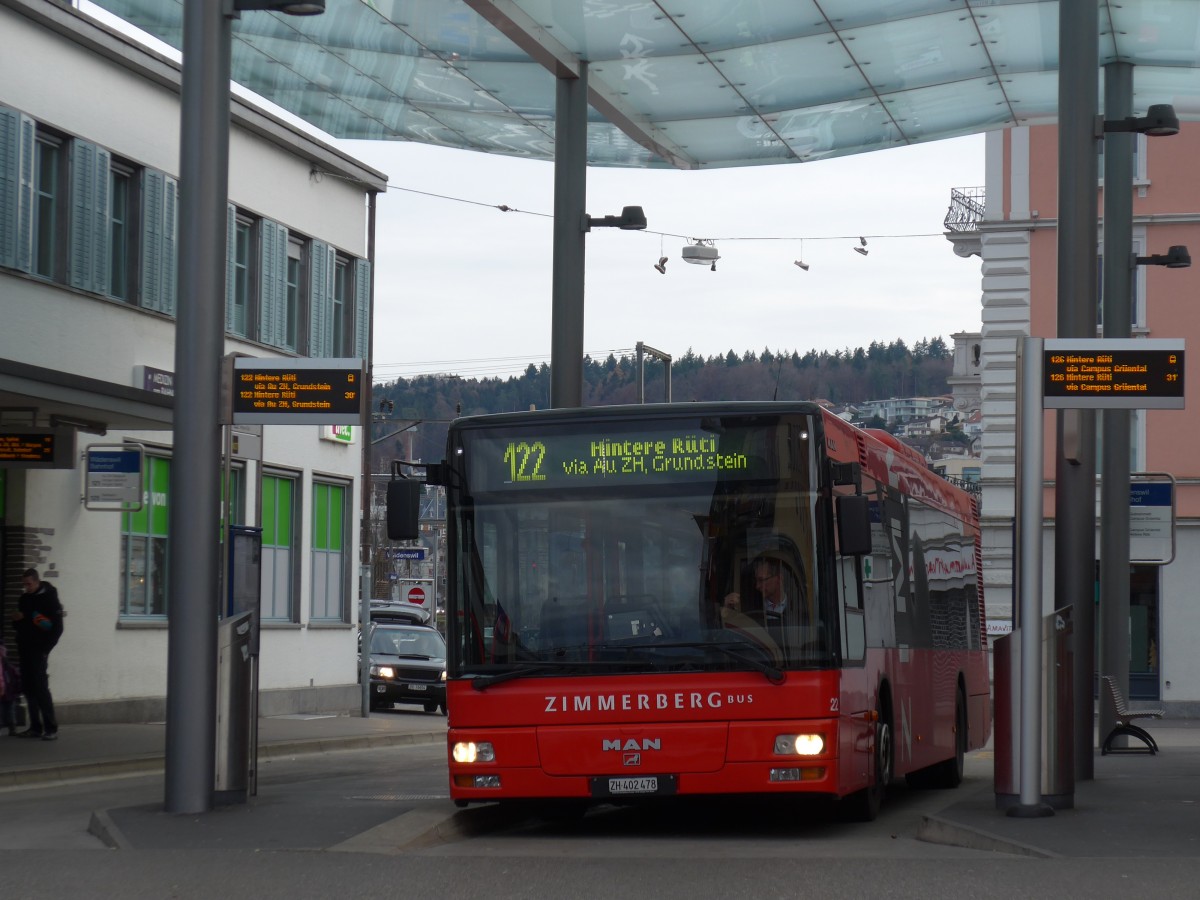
<point>483,682</point>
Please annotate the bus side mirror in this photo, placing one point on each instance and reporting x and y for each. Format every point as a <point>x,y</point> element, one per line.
<point>403,509</point>
<point>854,524</point>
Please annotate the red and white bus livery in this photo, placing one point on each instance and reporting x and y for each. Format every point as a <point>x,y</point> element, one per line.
<point>717,598</point>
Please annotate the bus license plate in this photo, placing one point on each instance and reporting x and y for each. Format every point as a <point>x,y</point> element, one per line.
<point>644,785</point>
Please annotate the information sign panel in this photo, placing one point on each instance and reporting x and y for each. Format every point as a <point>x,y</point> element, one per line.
<point>114,477</point>
<point>296,391</point>
<point>1152,519</point>
<point>1117,373</point>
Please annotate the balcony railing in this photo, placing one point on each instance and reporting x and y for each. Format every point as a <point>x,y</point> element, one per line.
<point>966,209</point>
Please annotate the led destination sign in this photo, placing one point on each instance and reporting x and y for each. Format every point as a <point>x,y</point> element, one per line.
<point>297,391</point>
<point>533,460</point>
<point>1113,374</point>
<point>37,448</point>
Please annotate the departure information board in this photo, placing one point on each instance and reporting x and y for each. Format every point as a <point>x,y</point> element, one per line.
<point>297,391</point>
<point>1113,374</point>
<point>37,448</point>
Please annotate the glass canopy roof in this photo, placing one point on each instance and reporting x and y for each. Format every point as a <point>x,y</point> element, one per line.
<point>687,83</point>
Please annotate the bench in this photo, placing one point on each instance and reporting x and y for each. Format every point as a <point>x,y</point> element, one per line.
<point>1124,717</point>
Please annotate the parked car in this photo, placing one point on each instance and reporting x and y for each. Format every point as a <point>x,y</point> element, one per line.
<point>408,665</point>
<point>399,613</point>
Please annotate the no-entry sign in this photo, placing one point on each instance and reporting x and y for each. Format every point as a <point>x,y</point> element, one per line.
<point>416,595</point>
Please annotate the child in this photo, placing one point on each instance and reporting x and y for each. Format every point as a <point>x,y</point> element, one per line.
<point>10,691</point>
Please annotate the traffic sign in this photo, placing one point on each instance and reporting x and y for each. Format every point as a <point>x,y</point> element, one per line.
<point>416,595</point>
<point>114,477</point>
<point>1113,373</point>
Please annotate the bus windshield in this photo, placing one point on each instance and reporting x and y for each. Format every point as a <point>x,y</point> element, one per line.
<point>604,546</point>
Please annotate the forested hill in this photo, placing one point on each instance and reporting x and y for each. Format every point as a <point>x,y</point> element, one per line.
<point>846,376</point>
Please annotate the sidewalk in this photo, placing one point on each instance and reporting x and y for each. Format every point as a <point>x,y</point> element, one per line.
<point>1137,805</point>
<point>90,751</point>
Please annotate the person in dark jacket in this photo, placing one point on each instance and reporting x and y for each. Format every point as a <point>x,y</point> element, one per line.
<point>38,624</point>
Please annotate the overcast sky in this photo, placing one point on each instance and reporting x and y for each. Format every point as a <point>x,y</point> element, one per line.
<point>462,287</point>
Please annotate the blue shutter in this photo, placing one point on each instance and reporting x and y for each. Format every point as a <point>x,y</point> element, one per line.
<point>362,309</point>
<point>170,244</point>
<point>320,332</point>
<point>272,283</point>
<point>230,258</point>
<point>158,279</point>
<point>16,190</point>
<point>89,260</point>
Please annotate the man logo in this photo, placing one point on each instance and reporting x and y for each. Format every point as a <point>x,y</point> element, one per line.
<point>633,759</point>
<point>632,744</point>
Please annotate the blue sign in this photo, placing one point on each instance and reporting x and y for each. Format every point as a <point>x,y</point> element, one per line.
<point>409,553</point>
<point>1150,494</point>
<point>114,461</point>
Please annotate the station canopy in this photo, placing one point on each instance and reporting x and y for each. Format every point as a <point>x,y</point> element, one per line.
<point>687,83</point>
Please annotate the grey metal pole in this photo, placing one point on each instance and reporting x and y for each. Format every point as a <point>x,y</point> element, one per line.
<point>1030,448</point>
<point>641,372</point>
<point>1075,457</point>
<point>570,196</point>
<point>1115,423</point>
<point>196,465</point>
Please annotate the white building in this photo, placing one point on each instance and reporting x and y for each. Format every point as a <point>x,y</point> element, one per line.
<point>89,159</point>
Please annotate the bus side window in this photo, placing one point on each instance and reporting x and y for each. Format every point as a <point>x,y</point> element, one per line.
<point>854,633</point>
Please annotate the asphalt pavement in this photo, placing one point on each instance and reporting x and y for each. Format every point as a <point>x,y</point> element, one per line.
<point>1137,804</point>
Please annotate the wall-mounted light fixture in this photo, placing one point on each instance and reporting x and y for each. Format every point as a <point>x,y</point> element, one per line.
<point>631,219</point>
<point>1160,121</point>
<point>1176,257</point>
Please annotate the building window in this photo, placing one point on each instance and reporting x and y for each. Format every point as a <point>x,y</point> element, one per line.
<point>242,277</point>
<point>294,291</point>
<point>48,210</point>
<point>279,528</point>
<point>122,232</point>
<point>328,551</point>
<point>342,304</point>
<point>144,551</point>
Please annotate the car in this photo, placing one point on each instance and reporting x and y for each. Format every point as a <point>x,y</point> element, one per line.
<point>398,613</point>
<point>408,665</point>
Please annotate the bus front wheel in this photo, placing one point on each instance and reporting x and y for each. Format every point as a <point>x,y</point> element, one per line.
<point>864,805</point>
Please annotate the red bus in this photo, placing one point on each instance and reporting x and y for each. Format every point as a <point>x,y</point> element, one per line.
<point>706,599</point>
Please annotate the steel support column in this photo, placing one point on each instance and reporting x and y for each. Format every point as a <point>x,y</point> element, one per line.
<point>570,196</point>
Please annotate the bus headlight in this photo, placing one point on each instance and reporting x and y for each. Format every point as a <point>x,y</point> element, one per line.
<point>799,744</point>
<point>471,752</point>
<point>383,672</point>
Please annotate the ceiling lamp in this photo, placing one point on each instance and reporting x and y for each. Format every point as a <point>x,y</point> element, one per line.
<point>702,253</point>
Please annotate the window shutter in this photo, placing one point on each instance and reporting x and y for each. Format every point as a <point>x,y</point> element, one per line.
<point>16,190</point>
<point>322,262</point>
<point>362,309</point>
<point>159,257</point>
<point>272,283</point>
<point>89,216</point>
<point>230,258</point>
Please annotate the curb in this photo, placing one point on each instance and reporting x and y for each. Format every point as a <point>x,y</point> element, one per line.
<point>936,830</point>
<point>41,776</point>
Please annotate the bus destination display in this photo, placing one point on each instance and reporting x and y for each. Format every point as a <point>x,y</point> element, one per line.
<point>533,461</point>
<point>1113,374</point>
<point>297,392</point>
